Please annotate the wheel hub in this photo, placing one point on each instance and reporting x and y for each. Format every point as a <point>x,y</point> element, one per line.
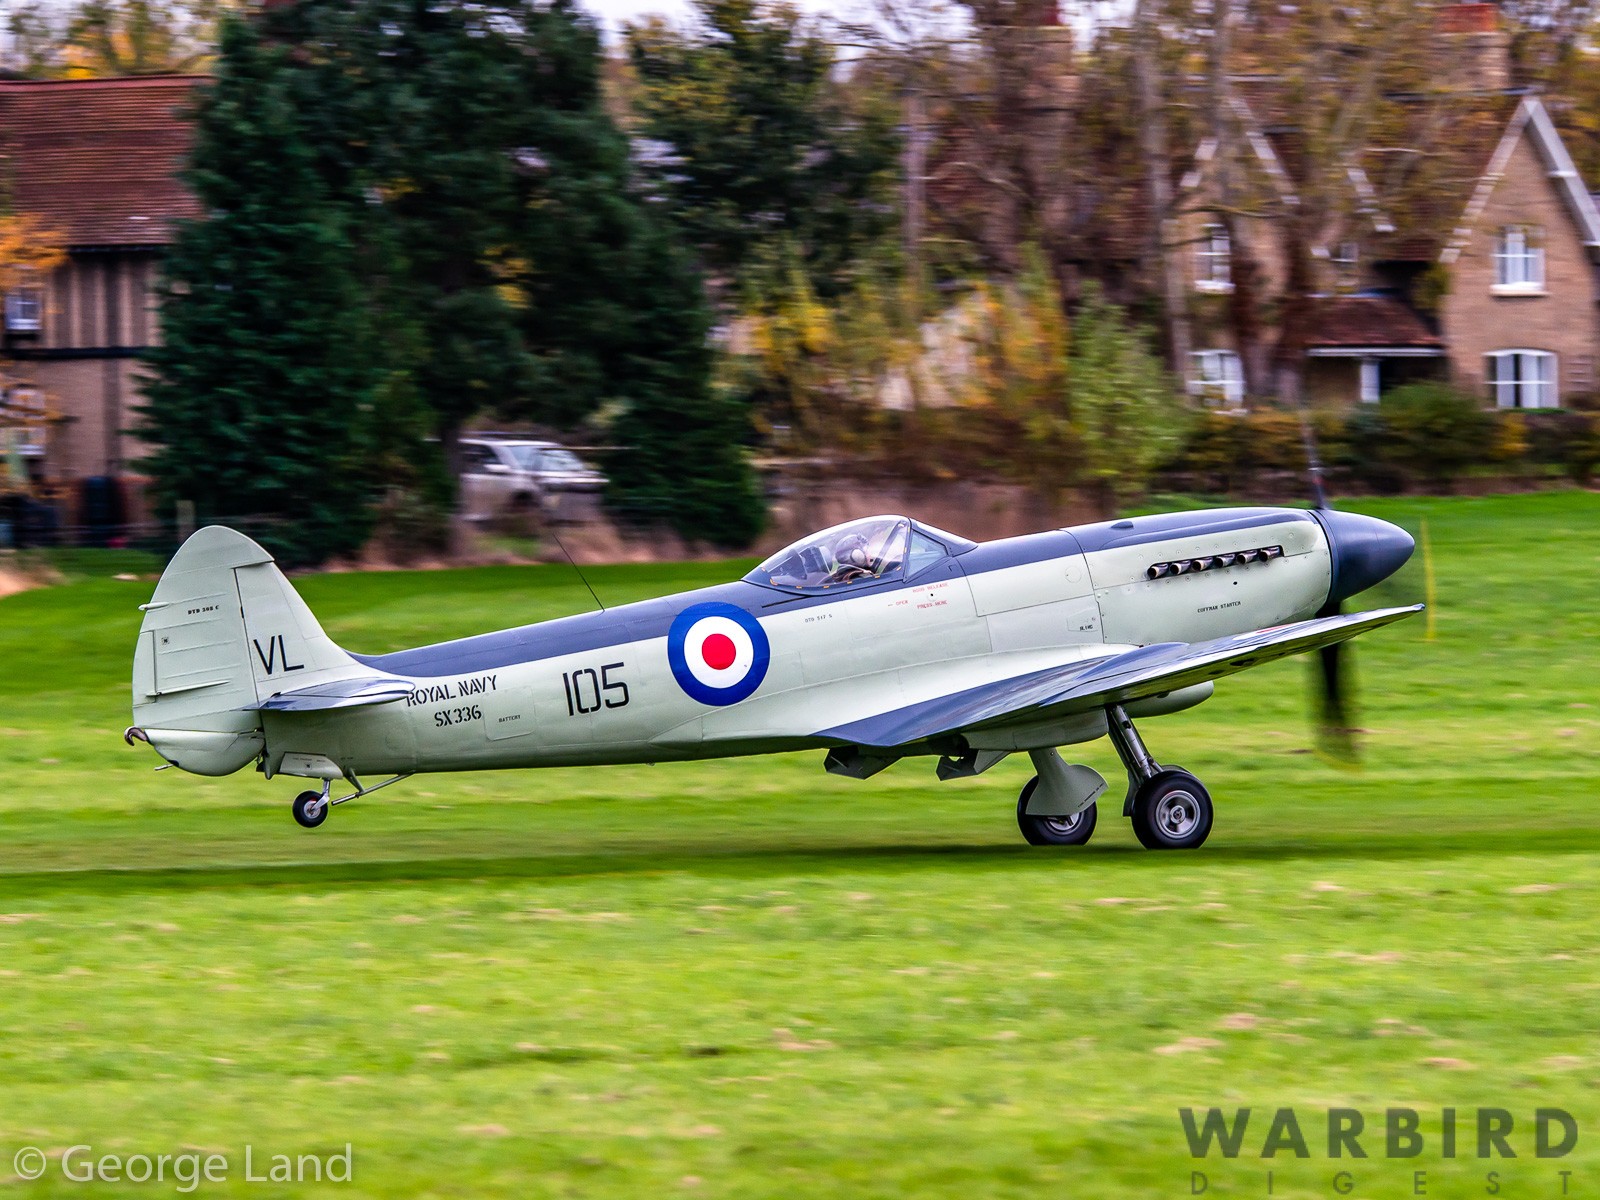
<point>1063,824</point>
<point>1177,813</point>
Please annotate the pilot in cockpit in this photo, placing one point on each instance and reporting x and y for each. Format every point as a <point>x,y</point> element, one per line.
<point>853,559</point>
<point>867,549</point>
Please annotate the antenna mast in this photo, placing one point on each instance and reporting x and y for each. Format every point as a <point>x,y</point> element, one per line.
<point>556,538</point>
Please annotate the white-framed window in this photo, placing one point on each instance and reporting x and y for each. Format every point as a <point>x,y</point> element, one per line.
<point>1213,260</point>
<point>1519,259</point>
<point>1217,378</point>
<point>1522,378</point>
<point>1371,381</point>
<point>22,421</point>
<point>1347,263</point>
<point>24,309</point>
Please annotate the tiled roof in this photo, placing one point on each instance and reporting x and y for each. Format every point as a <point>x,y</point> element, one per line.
<point>1425,156</point>
<point>99,159</point>
<point>1351,321</point>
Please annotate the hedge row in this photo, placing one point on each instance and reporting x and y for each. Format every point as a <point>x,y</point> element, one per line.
<point>1419,436</point>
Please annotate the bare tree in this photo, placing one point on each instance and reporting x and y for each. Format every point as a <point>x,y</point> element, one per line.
<point>1164,241</point>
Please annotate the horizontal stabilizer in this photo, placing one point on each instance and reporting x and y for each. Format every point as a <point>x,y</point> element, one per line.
<point>1121,678</point>
<point>339,693</point>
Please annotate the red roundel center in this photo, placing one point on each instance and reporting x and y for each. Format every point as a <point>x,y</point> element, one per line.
<point>719,651</point>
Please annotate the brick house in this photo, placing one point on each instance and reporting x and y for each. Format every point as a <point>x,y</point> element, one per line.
<point>1484,271</point>
<point>98,161</point>
<point>1522,313</point>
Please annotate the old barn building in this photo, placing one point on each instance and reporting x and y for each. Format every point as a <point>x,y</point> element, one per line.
<point>98,161</point>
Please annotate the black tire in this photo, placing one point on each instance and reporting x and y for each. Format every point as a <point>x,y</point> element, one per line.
<point>309,810</point>
<point>1040,830</point>
<point>1172,811</point>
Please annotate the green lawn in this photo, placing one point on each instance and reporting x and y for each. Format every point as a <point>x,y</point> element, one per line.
<point>752,979</point>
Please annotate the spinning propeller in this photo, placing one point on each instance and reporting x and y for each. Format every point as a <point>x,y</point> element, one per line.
<point>1366,551</point>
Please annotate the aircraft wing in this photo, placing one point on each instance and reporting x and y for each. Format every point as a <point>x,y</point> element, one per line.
<point>1094,683</point>
<point>339,693</point>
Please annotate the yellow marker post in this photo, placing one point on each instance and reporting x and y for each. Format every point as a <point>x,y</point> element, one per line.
<point>1429,593</point>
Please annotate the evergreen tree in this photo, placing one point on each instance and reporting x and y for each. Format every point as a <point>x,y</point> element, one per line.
<point>264,383</point>
<point>614,312</point>
<point>474,145</point>
<point>420,111</point>
<point>684,462</point>
<point>425,210</point>
<point>760,136</point>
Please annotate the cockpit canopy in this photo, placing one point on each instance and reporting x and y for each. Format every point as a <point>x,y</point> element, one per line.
<point>871,550</point>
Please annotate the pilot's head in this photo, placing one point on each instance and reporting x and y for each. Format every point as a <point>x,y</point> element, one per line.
<point>851,551</point>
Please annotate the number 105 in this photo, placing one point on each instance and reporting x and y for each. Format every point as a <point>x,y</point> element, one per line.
<point>589,690</point>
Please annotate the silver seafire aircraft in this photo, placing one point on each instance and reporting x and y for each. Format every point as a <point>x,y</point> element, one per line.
<point>876,640</point>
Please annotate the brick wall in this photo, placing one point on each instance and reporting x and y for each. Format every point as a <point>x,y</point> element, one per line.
<point>1564,319</point>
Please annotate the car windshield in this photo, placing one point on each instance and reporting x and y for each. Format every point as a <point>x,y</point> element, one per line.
<point>563,460</point>
<point>525,455</point>
<point>857,552</point>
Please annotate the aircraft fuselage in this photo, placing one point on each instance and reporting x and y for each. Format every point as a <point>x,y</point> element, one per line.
<point>750,668</point>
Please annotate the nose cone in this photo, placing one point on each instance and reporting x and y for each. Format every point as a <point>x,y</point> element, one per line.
<point>1365,551</point>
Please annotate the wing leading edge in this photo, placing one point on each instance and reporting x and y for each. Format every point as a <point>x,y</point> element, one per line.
<point>1115,679</point>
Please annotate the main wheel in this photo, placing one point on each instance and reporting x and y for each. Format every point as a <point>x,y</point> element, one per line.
<point>310,809</point>
<point>1040,830</point>
<point>1172,811</point>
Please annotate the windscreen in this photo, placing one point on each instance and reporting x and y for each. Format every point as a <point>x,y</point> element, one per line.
<point>857,552</point>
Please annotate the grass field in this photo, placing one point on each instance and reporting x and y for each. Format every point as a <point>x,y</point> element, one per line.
<point>750,979</point>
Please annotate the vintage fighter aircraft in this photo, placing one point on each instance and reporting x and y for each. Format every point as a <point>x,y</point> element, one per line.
<point>876,640</point>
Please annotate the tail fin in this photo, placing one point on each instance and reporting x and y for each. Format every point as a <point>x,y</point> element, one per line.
<point>224,632</point>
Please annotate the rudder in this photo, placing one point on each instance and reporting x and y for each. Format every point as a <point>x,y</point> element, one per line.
<point>224,631</point>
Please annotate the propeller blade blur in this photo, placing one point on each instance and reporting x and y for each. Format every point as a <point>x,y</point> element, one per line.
<point>1336,738</point>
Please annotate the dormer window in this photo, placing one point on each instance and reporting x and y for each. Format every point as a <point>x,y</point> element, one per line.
<point>1519,260</point>
<point>1214,260</point>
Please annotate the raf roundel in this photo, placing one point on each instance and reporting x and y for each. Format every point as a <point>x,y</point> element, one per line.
<point>719,654</point>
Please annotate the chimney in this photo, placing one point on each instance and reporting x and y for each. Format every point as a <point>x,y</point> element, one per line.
<point>1476,49</point>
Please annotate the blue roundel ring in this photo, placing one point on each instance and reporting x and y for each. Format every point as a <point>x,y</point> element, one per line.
<point>677,639</point>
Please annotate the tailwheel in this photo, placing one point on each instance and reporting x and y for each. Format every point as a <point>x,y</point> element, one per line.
<point>1172,811</point>
<point>1041,830</point>
<point>311,808</point>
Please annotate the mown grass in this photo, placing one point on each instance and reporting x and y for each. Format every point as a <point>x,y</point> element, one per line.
<point>750,978</point>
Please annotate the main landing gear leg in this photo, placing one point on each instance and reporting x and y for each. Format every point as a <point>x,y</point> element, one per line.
<point>1169,807</point>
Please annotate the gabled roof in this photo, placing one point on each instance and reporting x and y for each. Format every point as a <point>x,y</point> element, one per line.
<point>1422,184</point>
<point>1427,165</point>
<point>98,160</point>
<point>1533,120</point>
<point>1267,155</point>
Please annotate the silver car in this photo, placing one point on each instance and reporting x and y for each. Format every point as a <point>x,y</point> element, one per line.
<point>516,476</point>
